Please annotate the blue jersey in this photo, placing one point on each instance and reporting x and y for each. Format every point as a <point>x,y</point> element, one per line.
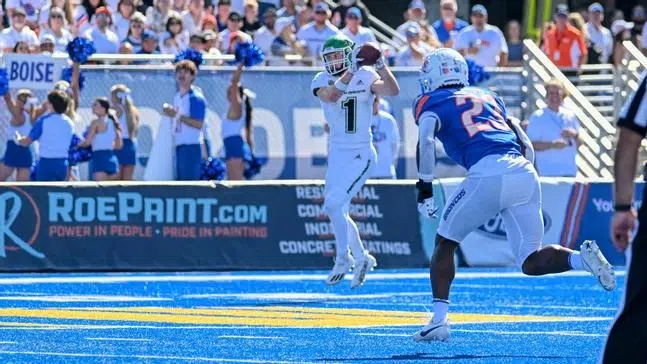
<point>472,123</point>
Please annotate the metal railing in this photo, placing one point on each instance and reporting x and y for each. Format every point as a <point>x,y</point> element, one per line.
<point>595,155</point>
<point>628,75</point>
<point>597,83</point>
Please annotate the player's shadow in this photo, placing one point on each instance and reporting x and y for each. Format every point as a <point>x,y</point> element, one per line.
<point>425,356</point>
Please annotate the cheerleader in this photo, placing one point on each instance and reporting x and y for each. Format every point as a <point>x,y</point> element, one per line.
<point>239,116</point>
<point>17,157</point>
<point>128,117</point>
<point>104,134</point>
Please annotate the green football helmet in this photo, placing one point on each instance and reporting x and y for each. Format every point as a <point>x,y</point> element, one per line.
<point>336,54</point>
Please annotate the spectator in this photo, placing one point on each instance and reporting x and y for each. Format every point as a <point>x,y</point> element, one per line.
<point>179,6</point>
<point>197,42</point>
<point>413,55</point>
<point>305,17</point>
<point>339,12</point>
<point>84,15</point>
<point>210,23</point>
<point>211,47</point>
<point>21,48</point>
<point>30,8</point>
<point>600,38</point>
<point>265,36</point>
<point>577,21</point>
<point>564,45</point>
<point>121,20</point>
<point>149,46</point>
<point>175,38</point>
<point>134,37</point>
<point>47,46</point>
<point>448,26</point>
<point>315,33</point>
<point>638,18</point>
<point>194,16</point>
<point>104,135</point>
<point>128,116</point>
<point>265,5</point>
<point>156,15</point>
<point>105,40</point>
<point>289,9</point>
<point>18,31</point>
<point>353,30</point>
<point>515,44</point>
<point>250,21</point>
<point>56,28</point>
<point>234,26</point>
<point>18,158</point>
<point>621,32</point>
<point>543,34</point>
<point>65,5</point>
<point>188,113</point>
<point>54,140</point>
<point>554,132</point>
<point>224,8</point>
<point>481,42</point>
<point>417,14</point>
<point>386,140</point>
<point>286,43</point>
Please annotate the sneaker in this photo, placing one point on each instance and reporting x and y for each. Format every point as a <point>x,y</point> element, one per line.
<point>365,264</point>
<point>339,270</point>
<point>438,331</point>
<point>597,264</point>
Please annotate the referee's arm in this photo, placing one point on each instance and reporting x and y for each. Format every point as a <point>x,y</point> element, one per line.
<point>633,125</point>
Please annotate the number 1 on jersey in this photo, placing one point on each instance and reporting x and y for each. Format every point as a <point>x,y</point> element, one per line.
<point>350,106</point>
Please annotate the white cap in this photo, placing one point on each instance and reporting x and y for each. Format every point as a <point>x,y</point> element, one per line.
<point>620,26</point>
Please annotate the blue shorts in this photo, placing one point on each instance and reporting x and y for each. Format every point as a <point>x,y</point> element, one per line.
<point>127,155</point>
<point>52,169</point>
<point>104,161</point>
<point>17,156</point>
<point>188,161</point>
<point>233,147</point>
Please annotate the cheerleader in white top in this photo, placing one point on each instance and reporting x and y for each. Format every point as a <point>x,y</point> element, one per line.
<point>237,118</point>
<point>128,117</point>
<point>104,134</point>
<point>18,158</point>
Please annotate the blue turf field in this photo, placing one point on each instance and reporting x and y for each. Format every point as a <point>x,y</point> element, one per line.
<point>499,317</point>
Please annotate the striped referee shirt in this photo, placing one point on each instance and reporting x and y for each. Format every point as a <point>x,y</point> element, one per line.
<point>633,115</point>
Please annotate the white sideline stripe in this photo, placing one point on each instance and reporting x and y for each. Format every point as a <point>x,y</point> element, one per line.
<point>559,333</point>
<point>269,278</point>
<point>143,356</point>
<point>116,339</point>
<point>373,334</point>
<point>250,337</point>
<point>8,342</point>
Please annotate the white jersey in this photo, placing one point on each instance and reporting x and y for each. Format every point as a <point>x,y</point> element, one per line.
<point>386,140</point>
<point>349,119</point>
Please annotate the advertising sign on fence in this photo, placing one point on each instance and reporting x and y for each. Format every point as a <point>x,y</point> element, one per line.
<point>205,226</point>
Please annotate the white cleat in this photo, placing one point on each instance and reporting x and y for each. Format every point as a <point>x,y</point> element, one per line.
<point>339,270</point>
<point>598,265</point>
<point>362,267</point>
<point>433,332</point>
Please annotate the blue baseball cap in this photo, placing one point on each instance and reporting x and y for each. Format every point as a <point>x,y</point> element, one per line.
<point>354,11</point>
<point>321,7</point>
<point>417,4</point>
<point>596,7</point>
<point>479,9</point>
<point>149,35</point>
<point>562,9</point>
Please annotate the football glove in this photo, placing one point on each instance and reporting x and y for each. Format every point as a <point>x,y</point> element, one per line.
<point>426,202</point>
<point>355,61</point>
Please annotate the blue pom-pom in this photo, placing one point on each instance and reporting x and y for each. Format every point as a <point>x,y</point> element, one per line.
<point>213,169</point>
<point>4,81</point>
<point>191,55</point>
<point>67,76</point>
<point>249,54</point>
<point>76,155</point>
<point>252,164</point>
<point>80,49</point>
<point>477,73</point>
<point>33,171</point>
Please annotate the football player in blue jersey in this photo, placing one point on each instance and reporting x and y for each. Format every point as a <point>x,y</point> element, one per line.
<point>476,133</point>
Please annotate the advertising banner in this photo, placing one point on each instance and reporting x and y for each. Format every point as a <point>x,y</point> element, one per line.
<point>32,71</point>
<point>196,227</point>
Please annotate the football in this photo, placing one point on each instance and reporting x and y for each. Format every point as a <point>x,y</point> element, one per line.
<point>370,53</point>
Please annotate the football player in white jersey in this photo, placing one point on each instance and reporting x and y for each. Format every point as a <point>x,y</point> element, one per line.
<point>346,91</point>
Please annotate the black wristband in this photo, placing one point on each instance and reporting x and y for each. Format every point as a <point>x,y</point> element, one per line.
<point>622,208</point>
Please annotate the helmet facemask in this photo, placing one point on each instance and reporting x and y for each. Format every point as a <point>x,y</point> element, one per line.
<point>337,60</point>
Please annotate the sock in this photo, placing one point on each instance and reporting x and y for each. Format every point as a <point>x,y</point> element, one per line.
<point>575,261</point>
<point>440,310</point>
<point>354,241</point>
<point>338,221</point>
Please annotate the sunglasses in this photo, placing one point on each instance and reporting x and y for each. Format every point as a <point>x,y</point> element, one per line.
<point>352,17</point>
<point>57,16</point>
<point>175,23</point>
<point>136,25</point>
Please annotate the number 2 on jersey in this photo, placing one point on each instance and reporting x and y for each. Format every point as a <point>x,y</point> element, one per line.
<point>350,107</point>
<point>468,116</point>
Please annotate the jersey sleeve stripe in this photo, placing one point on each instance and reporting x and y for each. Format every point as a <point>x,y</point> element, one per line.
<point>421,104</point>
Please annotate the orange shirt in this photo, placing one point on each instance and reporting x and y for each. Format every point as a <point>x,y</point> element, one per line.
<point>565,48</point>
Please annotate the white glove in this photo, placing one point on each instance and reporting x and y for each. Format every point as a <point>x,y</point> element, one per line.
<point>428,208</point>
<point>354,61</point>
